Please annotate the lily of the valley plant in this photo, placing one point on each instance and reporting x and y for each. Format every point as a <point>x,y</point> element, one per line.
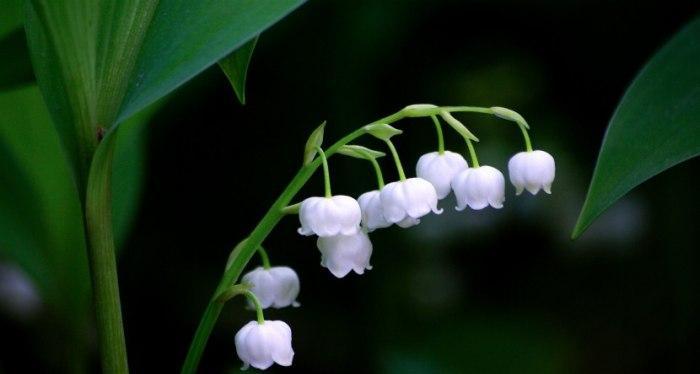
<point>342,224</point>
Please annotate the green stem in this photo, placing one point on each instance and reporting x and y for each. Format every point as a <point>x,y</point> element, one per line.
<point>397,160</point>
<point>472,153</point>
<point>243,289</point>
<point>441,140</point>
<point>326,173</point>
<point>378,171</point>
<point>264,257</point>
<point>528,144</point>
<point>243,252</point>
<point>103,264</point>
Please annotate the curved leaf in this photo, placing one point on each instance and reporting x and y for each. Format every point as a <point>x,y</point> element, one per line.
<point>186,37</point>
<point>235,66</point>
<point>656,126</point>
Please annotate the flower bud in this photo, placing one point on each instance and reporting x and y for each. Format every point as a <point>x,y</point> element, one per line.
<point>479,188</point>
<point>261,344</point>
<point>404,202</point>
<point>276,287</point>
<point>328,216</point>
<point>439,169</point>
<point>531,171</point>
<point>342,253</point>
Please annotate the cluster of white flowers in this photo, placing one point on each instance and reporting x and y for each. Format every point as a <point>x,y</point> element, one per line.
<point>342,224</point>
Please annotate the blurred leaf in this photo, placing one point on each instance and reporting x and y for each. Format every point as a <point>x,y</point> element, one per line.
<point>12,16</point>
<point>42,227</point>
<point>186,37</point>
<point>15,66</point>
<point>314,141</point>
<point>235,66</point>
<point>655,126</point>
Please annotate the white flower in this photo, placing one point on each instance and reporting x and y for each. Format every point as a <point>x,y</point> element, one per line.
<point>479,188</point>
<point>342,253</point>
<point>404,202</point>
<point>439,169</point>
<point>531,171</point>
<point>276,287</point>
<point>328,216</point>
<point>372,213</point>
<point>261,344</point>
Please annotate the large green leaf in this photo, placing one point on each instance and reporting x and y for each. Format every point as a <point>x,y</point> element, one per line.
<point>235,66</point>
<point>15,67</point>
<point>186,37</point>
<point>99,62</point>
<point>42,228</point>
<point>656,126</point>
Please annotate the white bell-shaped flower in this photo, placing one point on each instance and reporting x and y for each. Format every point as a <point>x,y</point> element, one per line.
<point>404,202</point>
<point>532,171</point>
<point>276,287</point>
<point>328,216</point>
<point>439,169</point>
<point>372,212</point>
<point>342,253</point>
<point>479,187</point>
<point>261,344</point>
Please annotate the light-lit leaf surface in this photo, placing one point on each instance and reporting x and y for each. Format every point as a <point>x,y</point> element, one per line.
<point>235,66</point>
<point>98,63</point>
<point>186,37</point>
<point>656,125</point>
<point>83,53</point>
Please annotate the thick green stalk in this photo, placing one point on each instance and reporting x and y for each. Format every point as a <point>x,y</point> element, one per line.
<point>103,264</point>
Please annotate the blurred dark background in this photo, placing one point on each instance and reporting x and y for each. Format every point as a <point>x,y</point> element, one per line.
<point>493,291</point>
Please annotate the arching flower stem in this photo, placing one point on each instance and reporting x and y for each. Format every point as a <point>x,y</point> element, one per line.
<point>472,153</point>
<point>326,173</point>
<point>397,160</point>
<point>244,251</point>
<point>264,258</point>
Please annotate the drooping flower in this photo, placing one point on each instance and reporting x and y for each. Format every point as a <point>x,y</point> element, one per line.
<point>439,169</point>
<point>372,213</point>
<point>404,202</point>
<point>532,171</point>
<point>342,253</point>
<point>328,216</point>
<point>479,187</point>
<point>276,287</point>
<point>261,344</point>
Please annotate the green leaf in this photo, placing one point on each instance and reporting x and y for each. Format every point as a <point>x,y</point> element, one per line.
<point>186,37</point>
<point>314,141</point>
<point>457,126</point>
<point>655,126</point>
<point>99,62</point>
<point>15,66</point>
<point>358,151</point>
<point>235,66</point>
<point>12,16</point>
<point>42,229</point>
<point>382,131</point>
